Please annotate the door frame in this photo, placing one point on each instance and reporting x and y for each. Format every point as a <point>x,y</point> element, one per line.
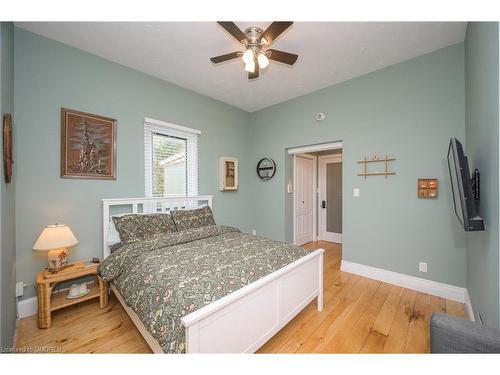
<point>322,162</point>
<point>314,192</point>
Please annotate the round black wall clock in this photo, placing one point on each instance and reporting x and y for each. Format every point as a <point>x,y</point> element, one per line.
<point>266,168</point>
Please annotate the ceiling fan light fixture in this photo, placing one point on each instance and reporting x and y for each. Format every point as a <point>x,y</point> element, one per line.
<point>250,67</point>
<point>262,60</point>
<point>248,56</point>
<point>255,41</point>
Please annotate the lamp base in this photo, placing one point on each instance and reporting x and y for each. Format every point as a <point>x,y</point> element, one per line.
<point>58,259</point>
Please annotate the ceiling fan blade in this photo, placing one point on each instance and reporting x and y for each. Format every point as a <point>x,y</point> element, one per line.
<point>282,57</point>
<point>226,57</point>
<point>255,74</point>
<point>275,30</point>
<point>232,29</point>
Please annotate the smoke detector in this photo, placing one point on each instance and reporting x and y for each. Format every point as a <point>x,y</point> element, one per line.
<point>320,116</point>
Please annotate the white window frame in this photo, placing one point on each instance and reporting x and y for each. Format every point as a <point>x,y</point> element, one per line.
<point>191,135</point>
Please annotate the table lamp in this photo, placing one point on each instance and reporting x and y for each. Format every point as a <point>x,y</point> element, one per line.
<point>56,239</point>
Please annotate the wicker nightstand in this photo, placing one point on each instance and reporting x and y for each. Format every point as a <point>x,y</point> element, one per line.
<point>48,301</point>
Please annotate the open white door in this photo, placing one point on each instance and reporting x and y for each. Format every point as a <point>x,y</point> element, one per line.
<point>330,198</point>
<point>304,205</point>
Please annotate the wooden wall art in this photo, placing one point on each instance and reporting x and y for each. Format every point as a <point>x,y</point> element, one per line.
<point>427,188</point>
<point>7,147</point>
<point>88,146</point>
<point>228,173</point>
<point>376,159</point>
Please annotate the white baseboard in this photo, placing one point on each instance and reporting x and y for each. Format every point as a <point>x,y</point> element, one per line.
<point>27,307</point>
<point>435,288</point>
<point>468,306</point>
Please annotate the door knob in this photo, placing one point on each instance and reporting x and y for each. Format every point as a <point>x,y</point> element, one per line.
<point>323,204</point>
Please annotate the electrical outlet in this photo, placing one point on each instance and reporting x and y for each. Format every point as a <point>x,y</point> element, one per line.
<point>355,193</point>
<point>19,289</point>
<point>254,232</point>
<point>422,266</point>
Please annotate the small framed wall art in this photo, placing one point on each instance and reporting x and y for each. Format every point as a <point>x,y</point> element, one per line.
<point>427,188</point>
<point>88,146</point>
<point>228,172</point>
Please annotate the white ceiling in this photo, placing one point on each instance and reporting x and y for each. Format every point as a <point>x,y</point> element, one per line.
<point>179,52</point>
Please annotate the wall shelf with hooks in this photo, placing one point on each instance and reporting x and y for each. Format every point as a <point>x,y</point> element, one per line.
<point>376,159</point>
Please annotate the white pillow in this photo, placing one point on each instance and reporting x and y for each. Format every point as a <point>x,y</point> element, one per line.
<point>113,236</point>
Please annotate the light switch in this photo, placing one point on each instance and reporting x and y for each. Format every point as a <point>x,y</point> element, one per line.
<point>355,193</point>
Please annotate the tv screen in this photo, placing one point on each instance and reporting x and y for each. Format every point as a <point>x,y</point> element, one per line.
<point>464,198</point>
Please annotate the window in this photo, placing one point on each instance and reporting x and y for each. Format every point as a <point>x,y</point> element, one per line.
<point>171,159</point>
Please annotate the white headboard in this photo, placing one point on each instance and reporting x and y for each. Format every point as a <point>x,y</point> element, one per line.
<point>146,206</point>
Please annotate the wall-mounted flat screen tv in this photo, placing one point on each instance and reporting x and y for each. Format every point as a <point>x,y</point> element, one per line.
<point>465,190</point>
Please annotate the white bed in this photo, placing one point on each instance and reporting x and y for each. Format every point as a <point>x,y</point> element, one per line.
<point>244,320</point>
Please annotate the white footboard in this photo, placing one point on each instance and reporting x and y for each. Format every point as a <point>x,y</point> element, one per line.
<point>243,321</point>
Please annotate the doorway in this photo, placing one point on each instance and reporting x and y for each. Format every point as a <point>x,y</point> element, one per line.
<point>304,204</point>
<point>317,193</point>
<point>330,198</point>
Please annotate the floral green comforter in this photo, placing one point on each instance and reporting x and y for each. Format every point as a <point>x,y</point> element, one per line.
<point>171,275</point>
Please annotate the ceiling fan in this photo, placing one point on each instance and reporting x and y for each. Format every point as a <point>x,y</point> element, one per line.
<point>256,41</point>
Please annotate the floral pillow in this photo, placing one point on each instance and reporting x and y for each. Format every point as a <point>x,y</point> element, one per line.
<point>136,227</point>
<point>189,219</point>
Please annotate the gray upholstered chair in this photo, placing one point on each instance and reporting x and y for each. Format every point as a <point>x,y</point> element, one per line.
<point>450,334</point>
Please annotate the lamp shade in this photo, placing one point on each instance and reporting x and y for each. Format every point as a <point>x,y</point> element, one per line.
<point>55,237</point>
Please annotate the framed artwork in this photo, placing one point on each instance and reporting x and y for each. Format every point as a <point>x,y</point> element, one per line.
<point>427,188</point>
<point>228,172</point>
<point>88,146</point>
<point>7,147</point>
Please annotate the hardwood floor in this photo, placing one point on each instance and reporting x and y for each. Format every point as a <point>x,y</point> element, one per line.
<point>85,328</point>
<point>360,315</point>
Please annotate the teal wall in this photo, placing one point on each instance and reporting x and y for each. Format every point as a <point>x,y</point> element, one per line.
<point>7,201</point>
<point>409,111</point>
<point>481,131</point>
<point>50,75</point>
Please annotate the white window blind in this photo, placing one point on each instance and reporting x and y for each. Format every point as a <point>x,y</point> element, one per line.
<point>171,159</point>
